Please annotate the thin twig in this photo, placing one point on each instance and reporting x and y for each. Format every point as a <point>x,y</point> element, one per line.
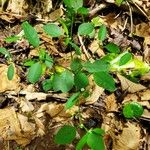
<point>83,47</point>
<point>131,17</point>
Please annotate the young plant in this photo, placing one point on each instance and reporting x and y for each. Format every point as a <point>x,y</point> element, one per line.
<point>132,110</point>
<point>93,138</point>
<point>38,66</point>
<point>11,69</point>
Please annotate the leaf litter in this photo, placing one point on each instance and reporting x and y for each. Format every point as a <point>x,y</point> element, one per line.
<point>32,114</point>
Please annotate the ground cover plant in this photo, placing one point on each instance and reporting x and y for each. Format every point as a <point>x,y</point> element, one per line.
<point>93,93</point>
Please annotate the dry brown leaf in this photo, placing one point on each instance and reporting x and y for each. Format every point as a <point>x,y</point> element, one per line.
<point>110,102</point>
<point>145,95</point>
<point>146,77</point>
<point>56,14</point>
<point>146,114</point>
<point>95,48</point>
<point>5,84</point>
<point>56,111</point>
<point>96,93</point>
<point>129,139</point>
<point>143,30</point>
<point>15,127</point>
<point>26,106</point>
<point>129,85</point>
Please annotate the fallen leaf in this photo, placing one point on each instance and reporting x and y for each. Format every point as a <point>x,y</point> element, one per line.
<point>26,106</point>
<point>5,84</point>
<point>129,139</point>
<point>110,102</point>
<point>145,95</point>
<point>129,85</point>
<point>56,14</point>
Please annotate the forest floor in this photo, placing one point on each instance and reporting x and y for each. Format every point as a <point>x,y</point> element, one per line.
<point>31,115</point>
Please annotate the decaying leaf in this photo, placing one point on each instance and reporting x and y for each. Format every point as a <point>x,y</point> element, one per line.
<point>15,127</point>
<point>5,84</point>
<point>26,106</point>
<point>129,85</point>
<point>95,48</point>
<point>111,104</point>
<point>145,95</point>
<point>143,30</point>
<point>129,139</point>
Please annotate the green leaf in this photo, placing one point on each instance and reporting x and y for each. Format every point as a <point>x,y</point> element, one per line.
<point>85,28</point>
<point>119,2</point>
<point>5,52</point>
<point>76,47</point>
<point>49,61</point>
<point>105,80</point>
<point>75,4</point>
<point>29,63</point>
<point>83,11</point>
<point>42,53</point>
<point>65,135</point>
<point>31,34</point>
<point>47,85</point>
<point>76,65</point>
<point>99,131</point>
<point>95,141</point>
<point>113,48</point>
<point>34,73</point>
<point>133,109</point>
<point>82,142</point>
<point>81,80</point>
<point>72,100</point>
<point>11,39</point>
<point>97,66</point>
<point>125,58</point>
<point>53,30</point>
<point>63,81</point>
<point>102,33</point>
<point>10,72</point>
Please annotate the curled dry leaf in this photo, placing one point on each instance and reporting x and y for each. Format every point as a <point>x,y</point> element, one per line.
<point>129,139</point>
<point>56,111</point>
<point>5,84</point>
<point>15,127</point>
<point>129,85</point>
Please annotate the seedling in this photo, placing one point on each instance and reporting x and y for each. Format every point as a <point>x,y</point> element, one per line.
<point>132,110</point>
<point>93,138</point>
<point>7,55</point>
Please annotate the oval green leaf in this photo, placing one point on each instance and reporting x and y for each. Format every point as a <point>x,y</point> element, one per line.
<point>125,58</point>
<point>102,33</point>
<point>105,80</point>
<point>72,100</point>
<point>112,48</point>
<point>95,141</point>
<point>65,135</point>
<point>10,72</point>
<point>81,80</point>
<point>132,110</point>
<point>63,81</point>
<point>53,30</point>
<point>97,66</point>
<point>85,28</point>
<point>34,73</point>
<point>31,34</point>
<point>82,142</point>
<point>5,52</point>
<point>47,85</point>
